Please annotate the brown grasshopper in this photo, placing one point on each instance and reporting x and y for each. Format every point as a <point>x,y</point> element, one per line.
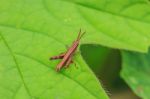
<point>67,56</point>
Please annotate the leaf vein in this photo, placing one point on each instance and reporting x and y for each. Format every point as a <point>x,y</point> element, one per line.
<point>23,55</point>
<point>104,11</point>
<point>17,65</point>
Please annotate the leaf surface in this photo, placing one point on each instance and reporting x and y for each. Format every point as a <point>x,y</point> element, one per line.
<point>110,23</point>
<point>29,36</point>
<point>33,30</point>
<point>136,71</point>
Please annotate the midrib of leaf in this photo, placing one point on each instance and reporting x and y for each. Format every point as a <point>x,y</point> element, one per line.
<point>19,70</point>
<point>104,11</point>
<point>17,65</point>
<point>20,54</point>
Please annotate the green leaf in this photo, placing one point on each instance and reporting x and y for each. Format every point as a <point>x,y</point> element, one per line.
<point>94,55</point>
<point>117,22</point>
<point>29,35</point>
<point>33,30</point>
<point>122,24</point>
<point>136,72</point>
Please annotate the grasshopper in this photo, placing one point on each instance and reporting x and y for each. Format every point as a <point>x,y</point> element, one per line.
<point>67,56</point>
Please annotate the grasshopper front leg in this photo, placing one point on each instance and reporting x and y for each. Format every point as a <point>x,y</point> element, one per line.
<point>58,57</point>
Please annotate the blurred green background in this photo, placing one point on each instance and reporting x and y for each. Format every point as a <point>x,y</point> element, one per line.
<point>106,64</point>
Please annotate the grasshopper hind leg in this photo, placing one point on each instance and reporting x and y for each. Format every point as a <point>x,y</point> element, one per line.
<point>70,61</point>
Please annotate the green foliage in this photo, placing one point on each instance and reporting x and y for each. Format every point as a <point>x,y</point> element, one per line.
<point>26,72</point>
<point>136,71</point>
<point>94,55</point>
<point>33,30</point>
<point>29,36</point>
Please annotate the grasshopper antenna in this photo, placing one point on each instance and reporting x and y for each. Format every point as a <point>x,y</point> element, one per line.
<point>80,35</point>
